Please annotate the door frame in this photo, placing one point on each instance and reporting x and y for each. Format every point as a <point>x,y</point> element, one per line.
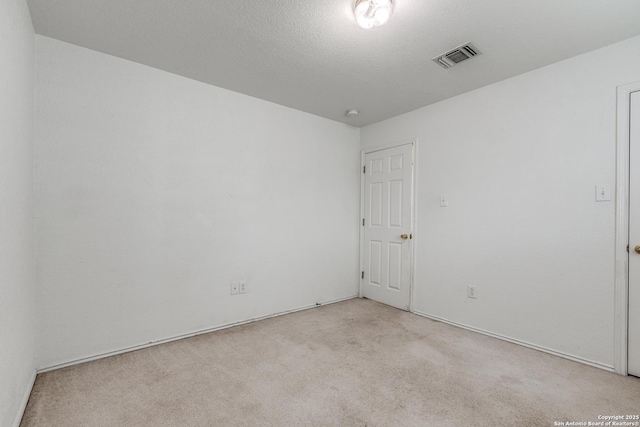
<point>621,287</point>
<point>414,211</point>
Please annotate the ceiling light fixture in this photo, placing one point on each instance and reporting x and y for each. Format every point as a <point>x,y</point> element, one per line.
<point>352,112</point>
<point>372,13</point>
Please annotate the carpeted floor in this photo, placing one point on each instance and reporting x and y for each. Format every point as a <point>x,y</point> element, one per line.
<point>355,363</point>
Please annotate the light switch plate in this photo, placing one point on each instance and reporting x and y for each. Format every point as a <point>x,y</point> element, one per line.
<point>603,193</point>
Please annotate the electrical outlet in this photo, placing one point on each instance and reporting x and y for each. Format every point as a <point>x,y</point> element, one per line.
<point>234,288</point>
<point>472,292</point>
<point>242,287</point>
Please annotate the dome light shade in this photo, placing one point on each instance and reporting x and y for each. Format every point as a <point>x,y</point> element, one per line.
<point>373,13</point>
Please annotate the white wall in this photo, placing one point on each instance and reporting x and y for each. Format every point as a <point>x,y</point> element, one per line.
<point>154,192</point>
<point>518,162</point>
<point>17,278</point>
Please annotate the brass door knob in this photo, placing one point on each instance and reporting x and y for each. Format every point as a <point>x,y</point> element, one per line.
<point>637,249</point>
<point>406,236</point>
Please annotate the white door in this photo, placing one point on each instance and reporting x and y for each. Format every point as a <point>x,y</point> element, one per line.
<point>634,237</point>
<point>388,189</point>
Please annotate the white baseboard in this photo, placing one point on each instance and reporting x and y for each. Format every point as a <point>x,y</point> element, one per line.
<point>519,342</point>
<point>25,400</point>
<point>183,336</point>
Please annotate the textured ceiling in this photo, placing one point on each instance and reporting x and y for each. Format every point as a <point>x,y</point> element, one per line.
<point>311,55</point>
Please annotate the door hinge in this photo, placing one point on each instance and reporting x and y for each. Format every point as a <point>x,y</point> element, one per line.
<point>362,275</point>
<point>364,169</point>
<point>363,222</point>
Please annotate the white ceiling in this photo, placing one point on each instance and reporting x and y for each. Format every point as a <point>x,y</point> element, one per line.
<point>311,55</point>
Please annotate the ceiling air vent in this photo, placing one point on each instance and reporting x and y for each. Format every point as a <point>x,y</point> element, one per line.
<point>454,56</point>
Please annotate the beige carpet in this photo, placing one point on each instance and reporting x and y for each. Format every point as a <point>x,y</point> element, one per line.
<point>356,363</point>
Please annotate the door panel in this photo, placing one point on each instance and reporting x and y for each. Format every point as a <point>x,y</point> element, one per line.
<point>376,204</point>
<point>375,261</point>
<point>395,204</point>
<point>634,237</point>
<point>387,208</point>
<point>395,266</point>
